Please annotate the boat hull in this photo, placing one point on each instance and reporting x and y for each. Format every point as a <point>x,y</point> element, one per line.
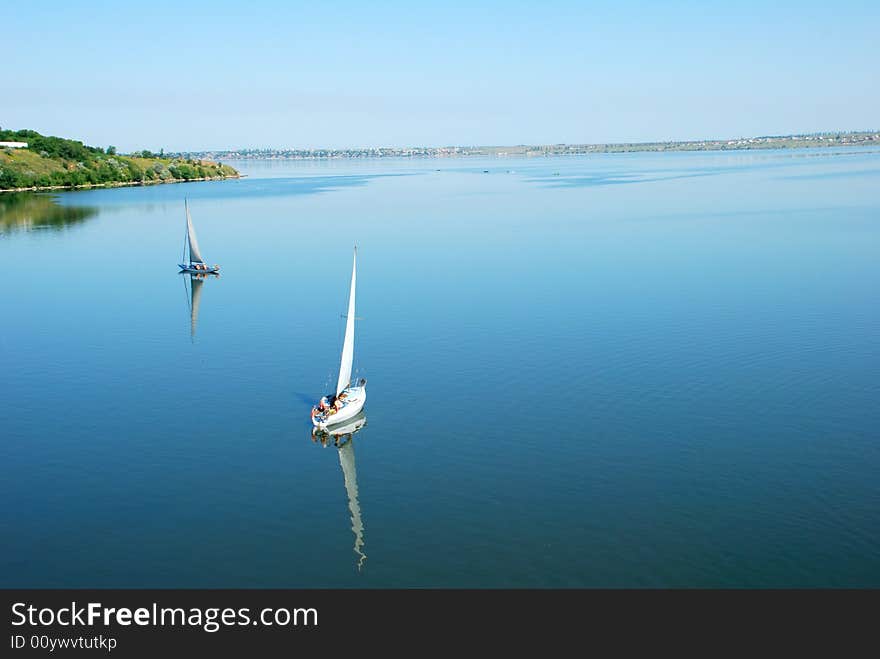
<point>355,403</point>
<point>207,270</point>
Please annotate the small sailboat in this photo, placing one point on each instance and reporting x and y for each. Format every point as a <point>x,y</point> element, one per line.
<point>349,397</point>
<point>195,262</point>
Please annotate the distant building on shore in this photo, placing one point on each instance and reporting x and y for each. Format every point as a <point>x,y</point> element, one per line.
<point>14,145</point>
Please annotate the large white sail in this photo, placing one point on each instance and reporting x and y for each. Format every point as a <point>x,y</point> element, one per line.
<point>195,256</point>
<point>348,343</point>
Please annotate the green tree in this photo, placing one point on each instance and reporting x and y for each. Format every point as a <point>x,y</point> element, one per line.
<point>135,173</point>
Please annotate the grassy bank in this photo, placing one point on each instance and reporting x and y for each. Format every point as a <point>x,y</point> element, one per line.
<point>54,162</point>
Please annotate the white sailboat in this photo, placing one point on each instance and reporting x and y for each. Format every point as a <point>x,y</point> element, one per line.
<point>195,262</point>
<point>349,397</point>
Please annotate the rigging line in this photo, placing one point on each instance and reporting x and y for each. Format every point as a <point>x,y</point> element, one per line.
<point>186,295</point>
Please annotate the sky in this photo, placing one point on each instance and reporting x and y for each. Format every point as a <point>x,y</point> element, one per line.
<point>285,74</point>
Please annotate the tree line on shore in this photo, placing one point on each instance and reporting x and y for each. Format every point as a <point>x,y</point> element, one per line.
<point>55,161</point>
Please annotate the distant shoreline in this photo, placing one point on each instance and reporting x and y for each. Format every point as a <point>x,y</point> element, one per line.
<point>117,184</point>
<point>817,140</point>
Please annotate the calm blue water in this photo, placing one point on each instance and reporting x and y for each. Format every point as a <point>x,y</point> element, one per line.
<point>619,370</point>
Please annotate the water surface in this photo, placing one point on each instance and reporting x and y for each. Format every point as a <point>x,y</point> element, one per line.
<point>617,370</point>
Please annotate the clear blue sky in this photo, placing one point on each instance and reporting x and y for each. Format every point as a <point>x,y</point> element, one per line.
<point>288,74</point>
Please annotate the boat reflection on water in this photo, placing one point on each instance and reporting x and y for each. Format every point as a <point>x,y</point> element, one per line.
<point>341,437</point>
<point>194,296</point>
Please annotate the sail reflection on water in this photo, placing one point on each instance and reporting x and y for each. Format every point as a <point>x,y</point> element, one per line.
<point>194,298</point>
<point>341,437</point>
